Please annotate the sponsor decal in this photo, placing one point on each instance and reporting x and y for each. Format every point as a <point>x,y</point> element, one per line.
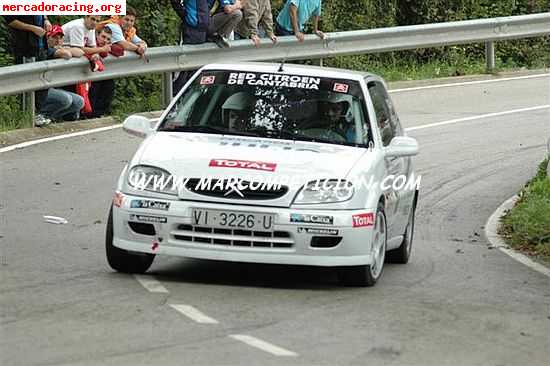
<point>274,80</point>
<point>363,220</point>
<point>243,164</point>
<point>208,80</point>
<point>317,231</point>
<point>341,88</point>
<point>312,219</point>
<point>147,218</point>
<point>152,205</point>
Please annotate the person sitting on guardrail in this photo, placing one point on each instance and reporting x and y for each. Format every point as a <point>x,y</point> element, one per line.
<point>29,45</point>
<point>257,21</point>
<point>59,104</point>
<point>295,14</point>
<point>225,15</point>
<point>124,34</point>
<point>80,33</point>
<point>102,92</point>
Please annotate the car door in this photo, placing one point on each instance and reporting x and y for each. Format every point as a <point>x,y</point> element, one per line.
<point>389,127</point>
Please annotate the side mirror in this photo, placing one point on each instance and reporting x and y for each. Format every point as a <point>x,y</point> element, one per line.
<point>137,125</point>
<point>401,146</point>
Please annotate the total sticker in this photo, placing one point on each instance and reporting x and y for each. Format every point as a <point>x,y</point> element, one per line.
<point>363,220</point>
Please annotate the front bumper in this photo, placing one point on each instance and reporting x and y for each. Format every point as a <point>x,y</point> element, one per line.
<point>295,247</point>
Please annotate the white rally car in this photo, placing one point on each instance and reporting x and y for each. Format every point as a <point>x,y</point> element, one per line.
<point>270,163</point>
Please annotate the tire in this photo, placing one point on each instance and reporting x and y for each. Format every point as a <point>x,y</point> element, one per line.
<point>368,275</point>
<point>122,260</point>
<point>402,254</point>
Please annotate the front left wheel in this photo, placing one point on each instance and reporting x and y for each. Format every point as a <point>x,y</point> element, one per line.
<point>369,274</point>
<point>122,260</point>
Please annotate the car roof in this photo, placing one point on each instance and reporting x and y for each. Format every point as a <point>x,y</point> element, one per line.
<point>292,69</point>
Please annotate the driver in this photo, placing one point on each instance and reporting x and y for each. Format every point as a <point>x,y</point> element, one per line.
<point>337,116</point>
<point>237,110</point>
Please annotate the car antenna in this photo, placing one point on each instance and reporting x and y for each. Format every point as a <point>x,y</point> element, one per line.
<point>282,65</point>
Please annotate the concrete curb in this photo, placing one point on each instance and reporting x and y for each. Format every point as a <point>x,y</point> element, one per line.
<point>491,232</point>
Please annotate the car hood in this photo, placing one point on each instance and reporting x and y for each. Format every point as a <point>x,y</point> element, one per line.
<point>194,155</point>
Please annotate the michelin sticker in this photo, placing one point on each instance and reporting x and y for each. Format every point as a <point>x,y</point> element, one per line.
<point>146,218</point>
<point>274,80</point>
<point>317,231</point>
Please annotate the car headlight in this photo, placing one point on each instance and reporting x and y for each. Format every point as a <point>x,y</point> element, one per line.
<point>325,191</point>
<point>153,179</point>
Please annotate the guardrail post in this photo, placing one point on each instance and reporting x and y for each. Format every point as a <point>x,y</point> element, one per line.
<point>167,90</point>
<point>490,55</point>
<point>28,98</point>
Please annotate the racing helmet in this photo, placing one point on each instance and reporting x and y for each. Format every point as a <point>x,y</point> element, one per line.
<point>241,104</point>
<point>338,98</point>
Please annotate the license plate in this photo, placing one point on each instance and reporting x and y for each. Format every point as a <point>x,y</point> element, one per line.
<point>232,219</point>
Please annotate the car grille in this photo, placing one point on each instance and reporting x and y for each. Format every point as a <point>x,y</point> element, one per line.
<point>233,237</point>
<point>266,193</point>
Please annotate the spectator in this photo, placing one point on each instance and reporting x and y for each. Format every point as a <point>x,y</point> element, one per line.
<point>55,45</point>
<point>60,104</point>
<point>80,33</point>
<point>226,15</point>
<point>194,15</point>
<point>124,33</point>
<point>28,45</point>
<point>102,92</point>
<point>295,14</point>
<point>257,21</point>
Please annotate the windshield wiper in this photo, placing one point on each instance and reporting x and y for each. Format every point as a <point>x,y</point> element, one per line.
<point>300,137</point>
<point>209,129</point>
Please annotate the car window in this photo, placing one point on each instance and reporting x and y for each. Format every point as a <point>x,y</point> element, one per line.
<point>384,110</point>
<point>272,105</point>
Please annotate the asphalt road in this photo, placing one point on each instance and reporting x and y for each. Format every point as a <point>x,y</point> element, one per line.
<point>456,303</point>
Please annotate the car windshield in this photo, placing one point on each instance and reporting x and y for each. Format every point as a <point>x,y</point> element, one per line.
<point>272,105</point>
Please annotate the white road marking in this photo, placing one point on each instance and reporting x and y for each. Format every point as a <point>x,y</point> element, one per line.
<point>194,314</point>
<point>491,228</point>
<point>449,85</point>
<point>58,137</point>
<point>151,284</point>
<point>480,116</point>
<point>263,345</point>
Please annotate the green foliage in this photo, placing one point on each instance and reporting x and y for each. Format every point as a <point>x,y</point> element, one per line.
<point>158,25</point>
<point>527,225</point>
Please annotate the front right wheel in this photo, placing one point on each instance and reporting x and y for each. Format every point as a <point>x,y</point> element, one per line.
<point>369,274</point>
<point>122,260</point>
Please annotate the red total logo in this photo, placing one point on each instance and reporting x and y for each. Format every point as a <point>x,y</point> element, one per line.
<point>243,164</point>
<point>363,220</point>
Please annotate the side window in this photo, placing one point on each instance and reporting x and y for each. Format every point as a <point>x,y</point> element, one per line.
<point>384,112</point>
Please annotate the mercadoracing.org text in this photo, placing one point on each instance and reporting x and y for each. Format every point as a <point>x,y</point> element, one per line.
<point>62,7</point>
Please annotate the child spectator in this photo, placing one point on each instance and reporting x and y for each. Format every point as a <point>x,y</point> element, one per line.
<point>102,92</point>
<point>80,33</point>
<point>257,21</point>
<point>226,15</point>
<point>28,45</point>
<point>295,14</point>
<point>124,34</point>
<point>60,105</point>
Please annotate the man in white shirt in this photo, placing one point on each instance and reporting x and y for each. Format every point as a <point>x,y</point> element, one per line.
<point>81,33</point>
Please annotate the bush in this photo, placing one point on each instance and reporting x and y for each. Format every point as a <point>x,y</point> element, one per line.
<point>527,225</point>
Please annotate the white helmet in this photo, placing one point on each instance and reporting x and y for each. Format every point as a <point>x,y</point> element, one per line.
<point>240,101</point>
<point>337,98</point>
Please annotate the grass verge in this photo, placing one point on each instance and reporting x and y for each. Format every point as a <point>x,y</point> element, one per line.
<point>526,226</point>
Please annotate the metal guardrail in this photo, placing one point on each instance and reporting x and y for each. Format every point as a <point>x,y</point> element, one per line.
<point>40,75</point>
